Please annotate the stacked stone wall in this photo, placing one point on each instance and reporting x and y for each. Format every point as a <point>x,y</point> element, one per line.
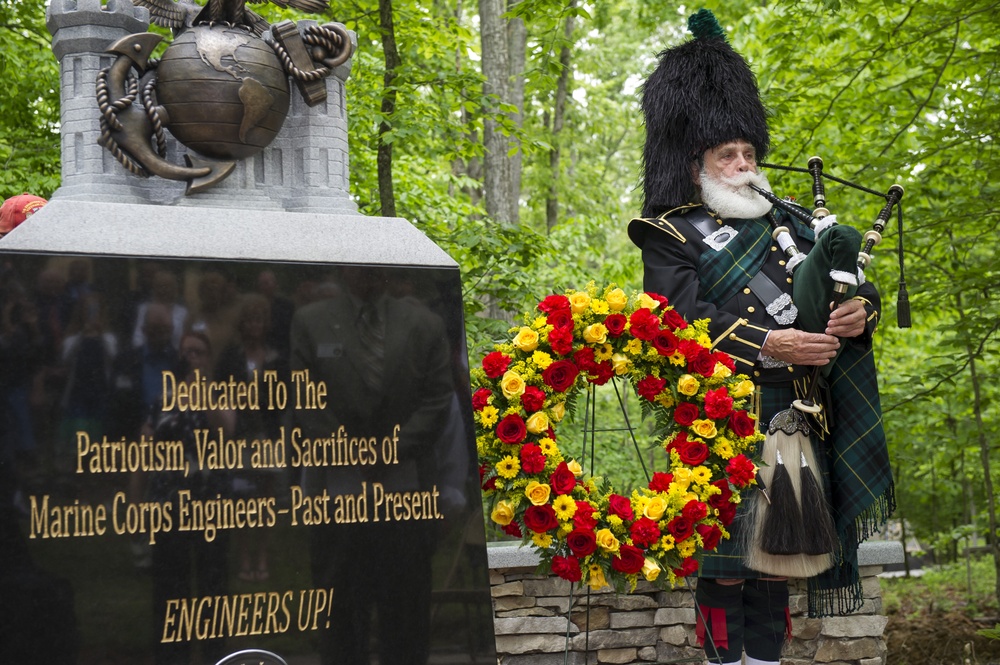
<point>654,626</point>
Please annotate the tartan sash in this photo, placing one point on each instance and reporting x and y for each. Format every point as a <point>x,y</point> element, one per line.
<point>725,272</point>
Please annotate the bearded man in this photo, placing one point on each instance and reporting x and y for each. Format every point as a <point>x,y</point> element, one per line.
<point>707,247</point>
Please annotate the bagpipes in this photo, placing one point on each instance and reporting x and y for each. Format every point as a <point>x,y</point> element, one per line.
<point>793,532</point>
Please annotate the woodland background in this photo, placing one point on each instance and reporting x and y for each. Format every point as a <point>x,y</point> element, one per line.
<point>510,133</point>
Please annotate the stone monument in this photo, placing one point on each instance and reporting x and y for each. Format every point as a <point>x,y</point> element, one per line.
<point>235,423</point>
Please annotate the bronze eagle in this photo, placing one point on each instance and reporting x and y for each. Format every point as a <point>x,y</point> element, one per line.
<point>181,14</point>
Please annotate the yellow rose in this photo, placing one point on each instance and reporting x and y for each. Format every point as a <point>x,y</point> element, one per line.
<point>650,569</point>
<point>655,508</point>
<point>537,493</point>
<point>512,384</point>
<point>537,423</point>
<point>596,579</point>
<point>607,541</point>
<point>620,363</point>
<point>688,385</point>
<point>558,411</point>
<point>617,300</point>
<point>647,302</point>
<point>526,339</point>
<point>574,468</point>
<point>742,389</point>
<point>704,427</point>
<point>595,333</point>
<point>579,302</point>
<point>502,513</point>
<point>721,372</point>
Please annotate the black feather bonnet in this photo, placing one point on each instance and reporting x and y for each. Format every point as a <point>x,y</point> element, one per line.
<point>701,94</point>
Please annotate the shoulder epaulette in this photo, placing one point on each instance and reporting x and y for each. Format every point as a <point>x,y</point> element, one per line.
<point>638,225</point>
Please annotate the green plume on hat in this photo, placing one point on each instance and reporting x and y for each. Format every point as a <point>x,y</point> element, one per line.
<point>703,25</point>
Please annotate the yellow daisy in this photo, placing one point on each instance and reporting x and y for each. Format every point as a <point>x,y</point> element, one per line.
<point>565,507</point>
<point>508,467</point>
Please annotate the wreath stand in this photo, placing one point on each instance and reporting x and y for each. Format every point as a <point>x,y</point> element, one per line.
<point>589,433</point>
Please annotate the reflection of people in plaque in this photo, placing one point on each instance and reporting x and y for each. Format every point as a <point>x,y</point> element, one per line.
<point>164,291</point>
<point>247,360</point>
<point>187,564</point>
<point>385,365</point>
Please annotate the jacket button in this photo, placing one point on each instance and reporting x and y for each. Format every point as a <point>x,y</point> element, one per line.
<point>756,373</point>
<point>781,263</point>
<point>789,280</point>
<point>751,309</point>
<point>774,249</point>
<point>746,290</point>
<point>732,336</point>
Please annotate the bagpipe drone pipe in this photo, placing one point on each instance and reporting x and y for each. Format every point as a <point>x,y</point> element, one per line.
<point>793,533</point>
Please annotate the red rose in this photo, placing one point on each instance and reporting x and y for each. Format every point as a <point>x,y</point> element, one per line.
<point>720,500</point>
<point>710,535</point>
<point>561,320</point>
<point>540,518</point>
<point>567,567</point>
<point>620,506</point>
<point>673,320</point>
<point>727,514</point>
<point>561,341</point>
<point>495,364</point>
<point>584,359</point>
<point>532,458</point>
<point>686,413</point>
<point>658,298</point>
<point>629,560</point>
<point>724,358</point>
<point>688,567</point>
<point>513,529</point>
<point>562,479</point>
<point>718,403</point>
<point>702,363</point>
<point>553,303</point>
<point>665,343</point>
<point>742,424</point>
<point>661,481</point>
<point>601,373</point>
<point>615,323</point>
<point>645,324</point>
<point>680,528</point>
<point>740,471</point>
<point>481,398</point>
<point>650,387</point>
<point>581,542</point>
<point>560,375</point>
<point>694,510</point>
<point>644,532</point>
<point>693,452</point>
<point>511,429</point>
<point>584,518</point>
<point>533,398</point>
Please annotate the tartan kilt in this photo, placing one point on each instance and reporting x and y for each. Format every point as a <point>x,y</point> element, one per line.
<point>727,560</point>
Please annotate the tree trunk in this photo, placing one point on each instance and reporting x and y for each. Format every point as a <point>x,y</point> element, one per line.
<point>496,69</point>
<point>517,44</point>
<point>558,116</point>
<point>387,197</point>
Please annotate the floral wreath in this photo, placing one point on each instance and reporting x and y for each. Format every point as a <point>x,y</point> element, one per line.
<point>582,529</point>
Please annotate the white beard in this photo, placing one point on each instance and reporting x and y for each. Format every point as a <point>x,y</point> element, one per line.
<point>731,198</point>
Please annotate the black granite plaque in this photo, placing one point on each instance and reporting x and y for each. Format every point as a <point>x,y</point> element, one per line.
<point>203,458</point>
